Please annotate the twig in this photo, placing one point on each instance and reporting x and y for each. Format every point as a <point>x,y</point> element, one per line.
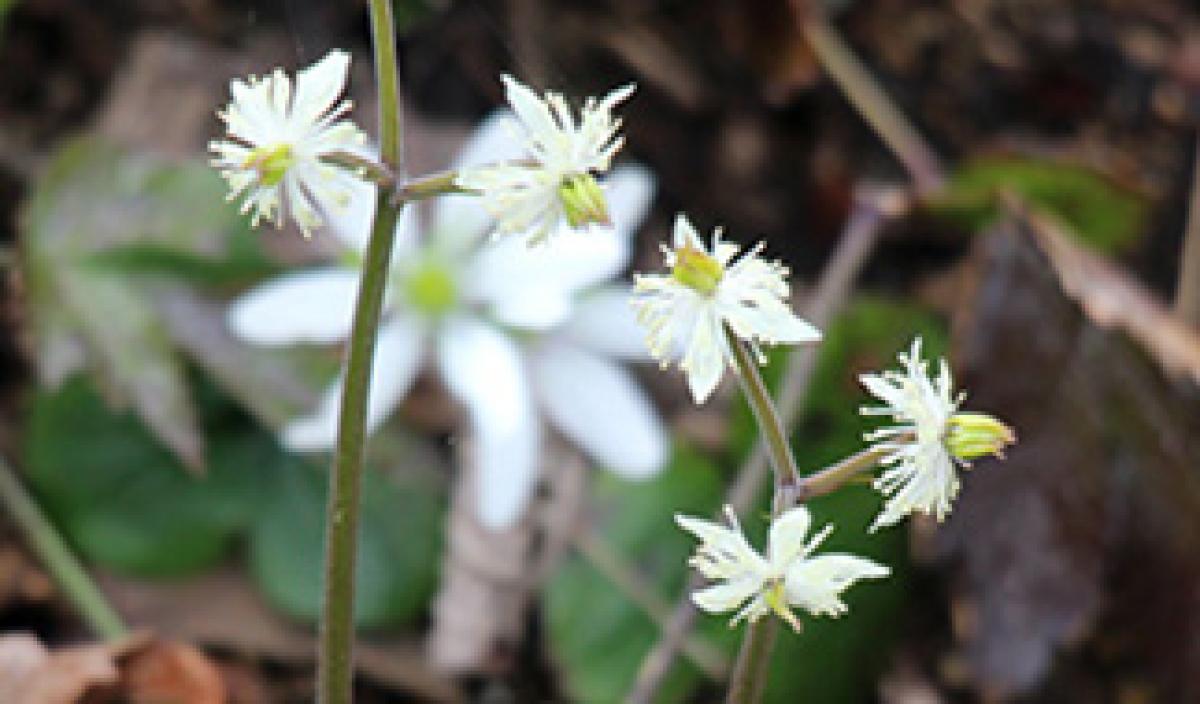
<point>868,98</point>
<point>1187,292</point>
<point>56,555</point>
<point>873,208</point>
<point>600,554</point>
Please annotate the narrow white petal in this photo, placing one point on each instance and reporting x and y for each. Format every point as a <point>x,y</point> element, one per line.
<point>785,540</point>
<point>314,306</point>
<point>816,584</point>
<point>484,371</point>
<point>318,86</point>
<point>398,354</point>
<point>726,596</point>
<point>704,361</point>
<point>530,109</point>
<point>599,406</point>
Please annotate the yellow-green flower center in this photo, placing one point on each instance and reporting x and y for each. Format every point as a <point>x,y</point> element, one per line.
<point>271,163</point>
<point>970,436</point>
<point>697,270</point>
<point>431,288</point>
<point>776,598</point>
<point>583,200</point>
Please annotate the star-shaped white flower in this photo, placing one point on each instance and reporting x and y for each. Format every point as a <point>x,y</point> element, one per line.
<point>552,181</point>
<point>706,291</point>
<point>930,437</point>
<point>753,585</point>
<point>272,158</point>
<point>519,336</point>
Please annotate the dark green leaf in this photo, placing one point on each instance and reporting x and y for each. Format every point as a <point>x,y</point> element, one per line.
<point>399,546</point>
<point>125,500</point>
<point>598,636</point>
<point>1104,215</point>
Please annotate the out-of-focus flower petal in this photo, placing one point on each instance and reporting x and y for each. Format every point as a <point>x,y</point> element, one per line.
<point>596,404</point>
<point>398,353</point>
<point>314,306</point>
<point>483,370</point>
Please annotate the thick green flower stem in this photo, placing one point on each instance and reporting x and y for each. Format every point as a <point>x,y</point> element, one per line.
<point>750,671</point>
<point>787,478</point>
<point>335,661</point>
<point>65,569</point>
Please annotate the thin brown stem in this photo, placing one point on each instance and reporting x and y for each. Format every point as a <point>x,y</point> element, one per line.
<point>1187,292</point>
<point>868,98</point>
<point>608,562</point>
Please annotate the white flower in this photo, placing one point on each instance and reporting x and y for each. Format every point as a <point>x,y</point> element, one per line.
<point>552,181</point>
<point>788,576</point>
<point>929,438</point>
<point>273,159</point>
<point>706,291</point>
<point>518,335</point>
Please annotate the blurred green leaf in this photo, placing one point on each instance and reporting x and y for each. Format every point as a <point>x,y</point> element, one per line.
<point>124,500</point>
<point>598,636</point>
<point>1101,213</point>
<point>398,555</point>
<point>92,198</point>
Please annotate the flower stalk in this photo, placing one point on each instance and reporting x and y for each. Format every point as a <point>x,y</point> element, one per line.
<point>335,665</point>
<point>750,669</point>
<point>56,556</point>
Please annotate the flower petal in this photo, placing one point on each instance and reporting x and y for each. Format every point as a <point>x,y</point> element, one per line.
<point>459,221</point>
<point>785,541</point>
<point>816,584</point>
<point>318,86</point>
<point>726,596</point>
<point>704,361</point>
<point>315,305</point>
<point>600,407</point>
<point>630,192</point>
<point>604,321</point>
<point>398,353</point>
<point>484,371</point>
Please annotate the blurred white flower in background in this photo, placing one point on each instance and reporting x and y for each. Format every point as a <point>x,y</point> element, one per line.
<point>706,290</point>
<point>929,438</point>
<point>551,180</point>
<point>516,334</point>
<point>277,140</point>
<point>788,576</point>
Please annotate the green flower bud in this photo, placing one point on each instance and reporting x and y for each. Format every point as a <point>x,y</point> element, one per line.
<point>583,200</point>
<point>970,436</point>
<point>271,163</point>
<point>697,270</point>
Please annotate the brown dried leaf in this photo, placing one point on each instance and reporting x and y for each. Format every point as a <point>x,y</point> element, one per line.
<point>1111,298</point>
<point>171,671</point>
<point>1085,538</point>
<point>31,674</point>
<point>488,577</point>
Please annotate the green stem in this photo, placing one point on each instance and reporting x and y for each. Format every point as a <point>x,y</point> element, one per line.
<point>750,672</point>
<point>778,449</point>
<point>66,570</point>
<point>335,663</point>
<point>833,477</point>
<point>430,186</point>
